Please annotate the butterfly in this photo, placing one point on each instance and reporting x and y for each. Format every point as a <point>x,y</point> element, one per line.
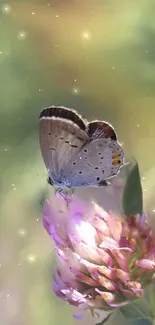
<point>76,152</point>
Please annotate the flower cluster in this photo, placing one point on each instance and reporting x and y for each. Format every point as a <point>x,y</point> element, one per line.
<point>104,261</point>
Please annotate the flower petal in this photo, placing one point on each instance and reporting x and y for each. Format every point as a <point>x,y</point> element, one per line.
<point>104,261</point>
<point>146,264</point>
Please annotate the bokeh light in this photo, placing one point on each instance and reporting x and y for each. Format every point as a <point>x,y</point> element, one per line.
<point>5,8</point>
<point>86,35</point>
<point>97,57</point>
<point>75,91</point>
<point>22,35</point>
<point>31,258</point>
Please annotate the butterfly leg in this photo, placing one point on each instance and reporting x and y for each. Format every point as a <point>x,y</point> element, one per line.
<point>66,195</point>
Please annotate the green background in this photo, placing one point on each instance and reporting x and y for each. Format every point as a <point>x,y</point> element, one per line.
<point>97,57</point>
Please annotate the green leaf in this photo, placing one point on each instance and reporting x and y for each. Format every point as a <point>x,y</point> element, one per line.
<point>133,312</point>
<point>133,196</point>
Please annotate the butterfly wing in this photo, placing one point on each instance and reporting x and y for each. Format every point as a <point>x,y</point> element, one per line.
<point>62,135</point>
<point>100,130</point>
<point>95,162</point>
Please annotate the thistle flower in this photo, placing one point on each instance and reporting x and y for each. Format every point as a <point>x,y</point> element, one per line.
<point>103,261</point>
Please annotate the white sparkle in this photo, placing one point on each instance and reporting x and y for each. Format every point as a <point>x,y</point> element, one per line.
<point>75,91</point>
<point>138,125</point>
<point>74,80</point>
<point>144,190</point>
<point>143,178</point>
<point>1,52</point>
<point>146,51</point>
<point>113,68</point>
<point>5,149</point>
<point>8,295</point>
<point>56,16</point>
<point>37,219</point>
<point>6,9</point>
<point>33,13</point>
<point>153,210</point>
<point>86,35</point>
<point>22,35</point>
<point>22,232</point>
<point>39,89</point>
<point>14,188</point>
<point>31,258</point>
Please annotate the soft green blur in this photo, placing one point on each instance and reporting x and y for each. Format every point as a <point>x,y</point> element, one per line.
<point>98,57</point>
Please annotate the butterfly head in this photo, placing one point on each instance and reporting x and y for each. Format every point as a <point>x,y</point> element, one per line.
<point>59,183</point>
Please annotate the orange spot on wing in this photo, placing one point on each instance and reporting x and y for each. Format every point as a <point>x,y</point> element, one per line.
<point>116,162</point>
<point>115,156</point>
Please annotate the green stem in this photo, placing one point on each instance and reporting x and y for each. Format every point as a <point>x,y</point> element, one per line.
<point>152,301</point>
<point>105,320</point>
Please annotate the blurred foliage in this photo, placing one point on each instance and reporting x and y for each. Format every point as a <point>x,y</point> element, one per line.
<point>132,195</point>
<point>108,48</point>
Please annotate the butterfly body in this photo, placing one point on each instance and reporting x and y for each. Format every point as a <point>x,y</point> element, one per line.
<point>78,153</point>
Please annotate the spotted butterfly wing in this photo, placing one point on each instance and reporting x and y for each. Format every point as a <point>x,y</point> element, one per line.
<point>97,161</point>
<point>99,130</point>
<point>62,134</point>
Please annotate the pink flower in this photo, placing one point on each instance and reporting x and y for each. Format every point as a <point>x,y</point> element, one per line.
<point>104,261</point>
